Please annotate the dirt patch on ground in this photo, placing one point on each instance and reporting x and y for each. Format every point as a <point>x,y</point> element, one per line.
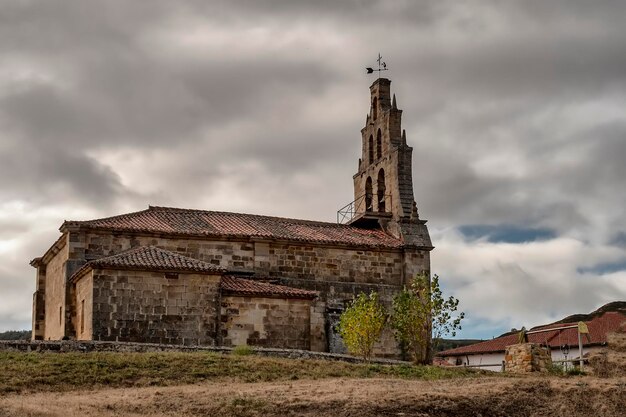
<point>532,396</point>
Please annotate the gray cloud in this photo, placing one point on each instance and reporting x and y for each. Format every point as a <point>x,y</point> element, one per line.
<point>514,109</point>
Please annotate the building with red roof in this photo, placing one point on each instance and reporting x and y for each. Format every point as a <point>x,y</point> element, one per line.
<point>563,343</point>
<point>186,276</point>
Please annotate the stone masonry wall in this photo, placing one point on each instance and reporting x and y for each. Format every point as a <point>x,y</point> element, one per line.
<point>139,306</point>
<point>84,307</point>
<point>396,156</point>
<point>267,322</point>
<point>319,342</point>
<point>39,305</point>
<point>337,273</point>
<point>527,357</point>
<point>55,296</point>
<point>229,254</point>
<point>336,296</point>
<point>399,199</point>
<point>273,259</point>
<point>306,262</point>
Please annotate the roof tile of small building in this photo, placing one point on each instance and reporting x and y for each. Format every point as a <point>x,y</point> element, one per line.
<point>598,327</point>
<point>212,223</point>
<point>151,258</point>
<point>240,286</point>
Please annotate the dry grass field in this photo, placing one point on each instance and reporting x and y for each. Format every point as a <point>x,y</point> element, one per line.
<point>174,384</point>
<point>24,373</point>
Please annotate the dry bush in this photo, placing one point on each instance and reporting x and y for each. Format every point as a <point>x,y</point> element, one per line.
<point>599,364</point>
<point>611,362</point>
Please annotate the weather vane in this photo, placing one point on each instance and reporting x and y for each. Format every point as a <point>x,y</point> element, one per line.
<point>382,66</point>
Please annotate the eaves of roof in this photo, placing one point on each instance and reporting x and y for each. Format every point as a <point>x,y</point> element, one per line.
<point>50,253</point>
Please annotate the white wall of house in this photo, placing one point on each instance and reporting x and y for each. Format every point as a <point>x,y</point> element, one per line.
<point>558,355</point>
<point>487,361</point>
<point>493,361</point>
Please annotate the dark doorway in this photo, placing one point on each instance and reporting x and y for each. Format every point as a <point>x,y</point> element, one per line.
<point>335,343</point>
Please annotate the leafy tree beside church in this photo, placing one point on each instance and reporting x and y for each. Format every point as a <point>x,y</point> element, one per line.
<point>421,314</point>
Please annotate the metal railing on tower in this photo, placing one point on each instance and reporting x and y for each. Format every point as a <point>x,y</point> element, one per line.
<point>363,206</point>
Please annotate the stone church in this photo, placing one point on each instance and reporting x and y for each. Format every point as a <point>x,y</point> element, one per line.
<point>196,277</point>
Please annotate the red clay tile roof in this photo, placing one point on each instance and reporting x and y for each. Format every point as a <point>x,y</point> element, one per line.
<point>151,258</point>
<point>598,328</point>
<point>239,286</point>
<point>213,223</point>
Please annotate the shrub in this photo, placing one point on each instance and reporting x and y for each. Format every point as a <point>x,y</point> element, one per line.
<point>361,324</point>
<point>243,350</point>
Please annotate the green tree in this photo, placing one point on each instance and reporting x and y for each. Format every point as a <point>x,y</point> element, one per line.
<point>362,323</point>
<point>422,314</point>
<point>15,335</point>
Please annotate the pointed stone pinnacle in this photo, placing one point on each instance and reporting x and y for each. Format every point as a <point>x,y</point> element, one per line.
<point>414,215</point>
<point>404,136</point>
<point>393,105</point>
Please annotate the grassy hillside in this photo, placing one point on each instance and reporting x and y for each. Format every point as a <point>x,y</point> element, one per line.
<point>30,372</point>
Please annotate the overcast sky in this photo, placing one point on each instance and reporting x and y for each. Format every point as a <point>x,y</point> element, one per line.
<point>516,111</point>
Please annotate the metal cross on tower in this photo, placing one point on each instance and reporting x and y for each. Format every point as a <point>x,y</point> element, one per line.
<point>382,66</point>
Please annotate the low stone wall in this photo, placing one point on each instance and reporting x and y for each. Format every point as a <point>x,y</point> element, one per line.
<point>99,346</point>
<point>527,357</point>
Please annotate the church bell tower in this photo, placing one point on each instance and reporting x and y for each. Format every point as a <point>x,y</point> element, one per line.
<point>383,184</point>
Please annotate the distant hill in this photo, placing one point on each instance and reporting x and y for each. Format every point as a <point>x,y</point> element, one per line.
<point>619,306</point>
<point>16,335</point>
<point>446,344</point>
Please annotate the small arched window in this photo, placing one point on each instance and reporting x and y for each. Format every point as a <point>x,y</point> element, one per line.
<point>371,149</point>
<point>368,194</point>
<point>381,190</point>
<point>379,145</point>
<point>374,108</point>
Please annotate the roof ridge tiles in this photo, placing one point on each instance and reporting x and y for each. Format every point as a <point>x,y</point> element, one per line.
<point>117,216</point>
<point>152,248</point>
<point>196,222</point>
<point>232,213</point>
<point>150,257</point>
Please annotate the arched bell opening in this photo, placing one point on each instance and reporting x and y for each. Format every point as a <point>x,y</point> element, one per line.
<point>368,195</point>
<point>374,108</point>
<point>381,191</point>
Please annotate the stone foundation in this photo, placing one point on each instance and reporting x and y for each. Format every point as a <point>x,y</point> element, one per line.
<point>527,357</point>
